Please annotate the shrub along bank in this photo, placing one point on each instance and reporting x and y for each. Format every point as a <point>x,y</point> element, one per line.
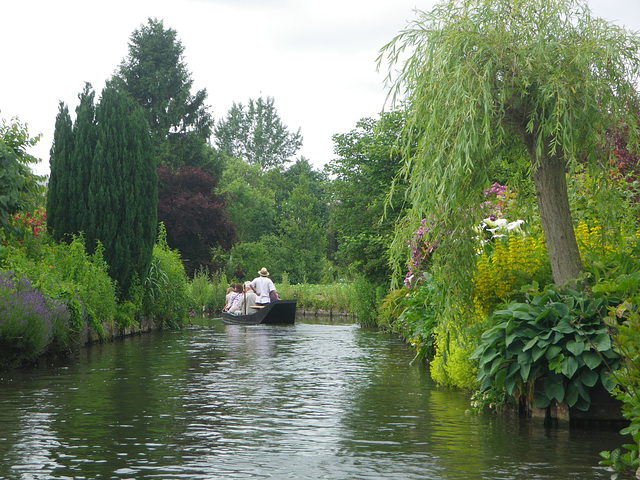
<point>52,294</point>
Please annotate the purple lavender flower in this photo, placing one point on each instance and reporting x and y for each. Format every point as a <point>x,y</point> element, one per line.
<point>27,316</point>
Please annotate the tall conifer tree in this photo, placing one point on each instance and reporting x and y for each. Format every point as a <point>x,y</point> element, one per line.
<point>84,134</point>
<point>58,196</point>
<point>156,76</point>
<point>122,194</point>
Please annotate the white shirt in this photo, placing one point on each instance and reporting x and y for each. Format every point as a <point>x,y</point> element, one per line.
<point>263,286</point>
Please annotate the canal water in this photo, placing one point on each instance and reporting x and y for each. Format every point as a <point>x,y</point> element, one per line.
<point>310,401</point>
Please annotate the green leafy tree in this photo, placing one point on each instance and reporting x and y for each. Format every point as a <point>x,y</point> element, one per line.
<point>368,161</point>
<point>123,195</point>
<point>284,182</point>
<point>480,72</point>
<point>251,204</point>
<point>257,135</point>
<point>304,239</point>
<point>19,187</point>
<point>156,76</point>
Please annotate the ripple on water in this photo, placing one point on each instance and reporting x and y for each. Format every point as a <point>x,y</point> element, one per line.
<point>302,402</point>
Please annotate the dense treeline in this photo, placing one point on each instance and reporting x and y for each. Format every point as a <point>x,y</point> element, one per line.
<point>491,219</point>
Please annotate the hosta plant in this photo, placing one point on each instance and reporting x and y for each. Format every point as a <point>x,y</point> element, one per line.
<point>556,336</point>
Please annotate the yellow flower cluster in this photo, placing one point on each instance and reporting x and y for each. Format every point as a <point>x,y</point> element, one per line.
<point>591,239</point>
<point>499,272</point>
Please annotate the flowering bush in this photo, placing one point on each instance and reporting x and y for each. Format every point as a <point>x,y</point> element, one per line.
<point>426,239</point>
<point>28,319</point>
<point>31,223</point>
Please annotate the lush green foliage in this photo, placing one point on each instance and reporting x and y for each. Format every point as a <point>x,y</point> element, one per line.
<point>59,197</point>
<point>155,75</point>
<point>366,300</point>
<point>251,204</point>
<point>303,234</point>
<point>558,336</point>
<point>494,75</point>
<point>414,316</point>
<point>28,320</point>
<point>166,297</point>
<point>281,219</point>
<point>368,160</point>
<point>625,319</point>
<point>206,294</point>
<point>257,135</point>
<point>335,297</point>
<point>123,193</point>
<point>108,159</point>
<point>18,185</point>
<point>65,271</point>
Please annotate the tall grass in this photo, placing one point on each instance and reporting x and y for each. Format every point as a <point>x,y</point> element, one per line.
<point>207,292</point>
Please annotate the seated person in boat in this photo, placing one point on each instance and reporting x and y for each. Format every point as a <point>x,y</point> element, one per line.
<point>264,288</point>
<point>247,300</point>
<point>233,302</point>
<point>227,298</point>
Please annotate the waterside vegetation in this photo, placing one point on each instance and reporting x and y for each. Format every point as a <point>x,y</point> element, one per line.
<point>490,219</point>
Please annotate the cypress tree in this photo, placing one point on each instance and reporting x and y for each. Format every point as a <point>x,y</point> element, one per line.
<point>122,194</point>
<point>58,196</point>
<point>84,134</point>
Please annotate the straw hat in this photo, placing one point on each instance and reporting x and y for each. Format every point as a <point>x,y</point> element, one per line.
<point>263,272</point>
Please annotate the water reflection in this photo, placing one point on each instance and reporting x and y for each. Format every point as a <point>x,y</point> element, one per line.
<point>312,401</point>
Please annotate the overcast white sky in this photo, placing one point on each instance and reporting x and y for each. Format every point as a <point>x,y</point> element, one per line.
<point>317,59</point>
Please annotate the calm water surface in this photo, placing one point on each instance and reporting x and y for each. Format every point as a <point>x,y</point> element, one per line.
<point>310,401</point>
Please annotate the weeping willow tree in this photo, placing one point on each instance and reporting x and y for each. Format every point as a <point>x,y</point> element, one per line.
<point>477,74</point>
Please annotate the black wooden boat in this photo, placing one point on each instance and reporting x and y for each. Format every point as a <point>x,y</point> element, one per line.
<point>278,312</point>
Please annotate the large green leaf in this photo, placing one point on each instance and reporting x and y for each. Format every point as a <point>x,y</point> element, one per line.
<point>510,384</point>
<point>525,370</point>
<point>530,343</point>
<point>569,366</point>
<point>591,359</point>
<point>543,314</point>
<point>565,326</point>
<point>572,394</point>
<point>478,351</point>
<point>524,357</point>
<point>489,355</point>
<point>496,365</point>
<point>554,389</point>
<point>607,381</point>
<point>602,342</point>
<point>553,351</point>
<point>560,308</point>
<point>537,352</point>
<point>499,377</point>
<point>486,383</point>
<point>589,377</point>
<point>583,404</point>
<point>541,399</point>
<point>523,315</point>
<point>575,347</point>
<point>510,337</point>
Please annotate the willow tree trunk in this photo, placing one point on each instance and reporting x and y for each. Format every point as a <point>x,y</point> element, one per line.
<point>549,177</point>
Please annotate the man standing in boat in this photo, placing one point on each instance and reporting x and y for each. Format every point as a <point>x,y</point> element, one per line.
<point>264,288</point>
